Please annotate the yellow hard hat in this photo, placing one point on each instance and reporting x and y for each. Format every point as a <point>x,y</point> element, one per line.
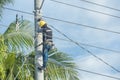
<point>42,23</point>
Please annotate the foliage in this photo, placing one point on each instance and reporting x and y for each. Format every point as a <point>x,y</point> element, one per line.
<point>21,39</point>
<point>14,64</point>
<point>60,66</point>
<point>12,45</point>
<point>11,68</point>
<point>3,3</point>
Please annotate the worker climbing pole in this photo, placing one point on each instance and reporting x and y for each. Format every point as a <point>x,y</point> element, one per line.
<point>47,42</point>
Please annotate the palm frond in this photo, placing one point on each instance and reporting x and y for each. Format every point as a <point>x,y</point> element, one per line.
<point>60,66</point>
<point>21,39</point>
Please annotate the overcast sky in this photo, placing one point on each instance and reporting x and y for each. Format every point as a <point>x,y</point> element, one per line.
<point>79,33</point>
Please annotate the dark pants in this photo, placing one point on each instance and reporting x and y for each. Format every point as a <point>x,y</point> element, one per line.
<point>47,48</point>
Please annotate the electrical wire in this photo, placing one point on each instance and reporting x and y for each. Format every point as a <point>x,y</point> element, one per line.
<point>87,71</point>
<point>83,25</point>
<point>98,74</point>
<point>85,9</point>
<point>100,5</point>
<point>69,22</point>
<point>115,51</point>
<point>58,38</point>
<point>85,49</point>
<point>1,25</point>
<point>18,11</point>
<point>83,70</point>
<point>42,4</point>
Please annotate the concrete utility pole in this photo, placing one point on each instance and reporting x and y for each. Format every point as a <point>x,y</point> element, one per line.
<point>39,74</point>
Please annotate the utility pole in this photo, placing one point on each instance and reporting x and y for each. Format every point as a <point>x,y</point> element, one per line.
<point>17,23</point>
<point>39,74</point>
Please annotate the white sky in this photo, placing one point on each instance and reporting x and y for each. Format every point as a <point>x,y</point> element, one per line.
<point>79,33</point>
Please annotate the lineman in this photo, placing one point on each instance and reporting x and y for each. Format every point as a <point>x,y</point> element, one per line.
<point>47,41</point>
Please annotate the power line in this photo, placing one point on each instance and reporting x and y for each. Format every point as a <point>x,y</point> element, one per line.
<point>83,25</point>
<point>86,49</point>
<point>1,25</point>
<point>91,72</point>
<point>86,9</point>
<point>18,11</point>
<point>89,45</point>
<point>42,4</point>
<point>83,70</point>
<point>100,5</point>
<point>98,74</point>
<point>69,22</point>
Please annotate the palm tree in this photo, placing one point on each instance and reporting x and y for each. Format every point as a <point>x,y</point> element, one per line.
<point>12,43</point>
<point>21,67</point>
